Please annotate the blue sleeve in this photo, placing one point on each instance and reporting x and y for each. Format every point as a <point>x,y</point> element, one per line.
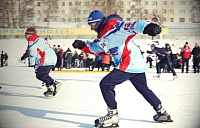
<point>96,47</point>
<point>133,26</point>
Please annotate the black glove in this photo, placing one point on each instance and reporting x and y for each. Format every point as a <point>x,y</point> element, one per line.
<point>22,58</point>
<point>152,29</point>
<point>78,44</point>
<point>148,51</point>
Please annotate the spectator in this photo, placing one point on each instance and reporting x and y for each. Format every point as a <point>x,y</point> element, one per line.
<point>2,58</point>
<point>196,57</point>
<point>179,61</point>
<point>105,62</point>
<point>185,54</point>
<point>59,59</point>
<point>6,59</point>
<point>169,52</point>
<point>68,58</point>
<point>98,63</point>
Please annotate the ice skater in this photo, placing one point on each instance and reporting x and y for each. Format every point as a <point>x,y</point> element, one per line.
<point>115,37</point>
<point>43,58</point>
<point>164,58</point>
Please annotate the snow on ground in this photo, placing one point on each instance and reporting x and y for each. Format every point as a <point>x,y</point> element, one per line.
<point>23,105</point>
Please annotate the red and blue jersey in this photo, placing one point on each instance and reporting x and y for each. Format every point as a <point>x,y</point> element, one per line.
<point>41,54</point>
<point>116,39</point>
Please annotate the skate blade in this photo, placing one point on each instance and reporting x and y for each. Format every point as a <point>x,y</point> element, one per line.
<point>165,121</point>
<point>111,126</point>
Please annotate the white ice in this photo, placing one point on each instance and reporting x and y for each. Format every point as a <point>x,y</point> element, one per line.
<point>23,105</point>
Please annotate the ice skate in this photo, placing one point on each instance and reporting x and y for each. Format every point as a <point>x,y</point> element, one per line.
<point>157,76</point>
<point>175,77</point>
<point>49,92</point>
<point>110,120</point>
<point>162,115</point>
<point>57,86</point>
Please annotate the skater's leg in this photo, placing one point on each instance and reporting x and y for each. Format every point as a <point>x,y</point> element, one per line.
<point>43,75</point>
<point>169,65</point>
<point>183,65</point>
<point>140,83</point>
<point>187,65</point>
<point>108,84</point>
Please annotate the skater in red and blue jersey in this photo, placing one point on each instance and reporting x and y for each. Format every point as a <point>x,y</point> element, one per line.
<point>43,58</point>
<point>115,38</point>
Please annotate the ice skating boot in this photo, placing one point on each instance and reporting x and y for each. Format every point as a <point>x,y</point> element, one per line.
<point>157,76</point>
<point>57,86</point>
<point>162,115</point>
<point>175,77</point>
<point>110,120</point>
<point>49,92</point>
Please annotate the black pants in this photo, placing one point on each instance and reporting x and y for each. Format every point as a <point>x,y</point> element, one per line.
<point>138,80</point>
<point>166,60</point>
<point>43,74</point>
<point>196,64</point>
<point>187,65</point>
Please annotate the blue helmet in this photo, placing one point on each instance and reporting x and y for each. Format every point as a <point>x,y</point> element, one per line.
<point>95,16</point>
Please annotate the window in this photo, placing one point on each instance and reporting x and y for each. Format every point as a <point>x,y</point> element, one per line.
<point>52,11</point>
<point>164,2</point>
<point>182,11</point>
<point>164,19</point>
<point>38,11</point>
<point>137,10</point>
<point>128,19</point>
<point>182,2</point>
<point>45,19</point>
<point>164,11</point>
<point>172,2</point>
<point>145,11</point>
<point>154,11</point>
<point>38,4</point>
<point>78,3</point>
<point>63,11</point>
<point>128,11</point>
<point>0,10</point>
<point>172,11</point>
<point>191,2</point>
<point>77,19</point>
<point>154,2</point>
<point>63,19</point>
<point>182,19</point>
<point>69,20</point>
<point>79,11</point>
<point>63,3</point>
<point>45,11</point>
<point>96,3</point>
<point>146,3</point>
<point>54,19</point>
<point>128,3</point>
<point>86,11</point>
<point>171,19</point>
<point>38,19</point>
<point>70,3</point>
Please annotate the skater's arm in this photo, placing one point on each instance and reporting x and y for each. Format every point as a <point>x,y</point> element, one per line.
<point>89,47</point>
<point>139,26</point>
<point>32,53</point>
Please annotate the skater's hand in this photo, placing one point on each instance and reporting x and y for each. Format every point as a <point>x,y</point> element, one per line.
<point>152,29</point>
<point>22,58</point>
<point>78,44</point>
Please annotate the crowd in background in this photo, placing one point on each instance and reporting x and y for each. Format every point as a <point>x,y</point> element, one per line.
<point>180,60</point>
<point>67,59</point>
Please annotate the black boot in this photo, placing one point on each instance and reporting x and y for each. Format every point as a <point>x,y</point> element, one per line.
<point>162,115</point>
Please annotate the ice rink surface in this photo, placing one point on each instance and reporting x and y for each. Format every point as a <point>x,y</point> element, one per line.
<point>23,105</point>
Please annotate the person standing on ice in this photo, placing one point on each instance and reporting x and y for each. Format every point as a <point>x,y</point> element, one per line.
<point>43,58</point>
<point>164,58</point>
<point>115,37</point>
